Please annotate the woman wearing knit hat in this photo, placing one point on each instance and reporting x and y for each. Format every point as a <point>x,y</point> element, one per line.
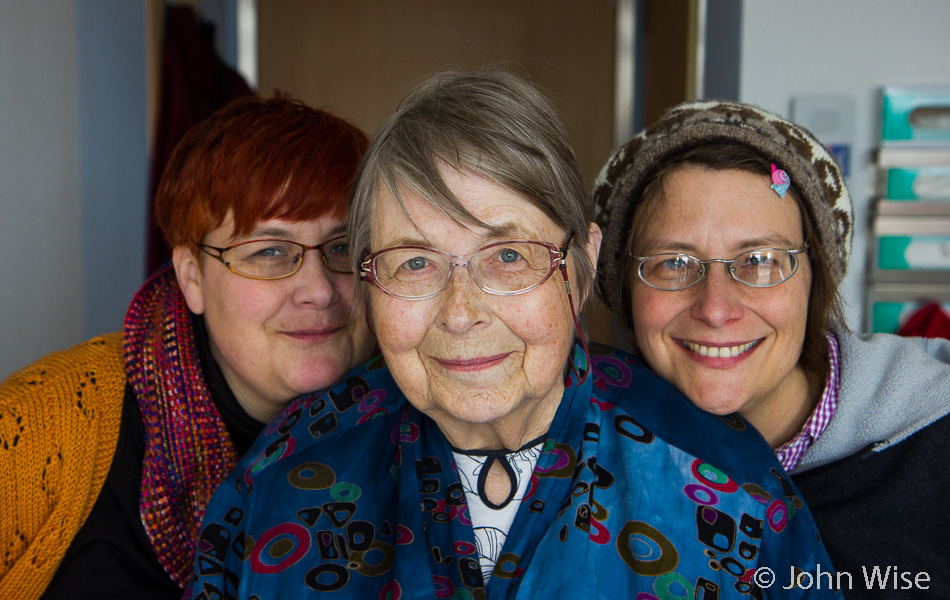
<point>727,232</point>
<point>109,451</point>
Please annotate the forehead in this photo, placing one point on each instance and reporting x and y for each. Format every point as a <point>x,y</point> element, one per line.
<point>506,213</point>
<point>730,205</point>
<point>311,231</point>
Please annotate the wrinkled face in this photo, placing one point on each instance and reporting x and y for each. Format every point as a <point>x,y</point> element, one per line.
<point>465,357</point>
<point>727,346</point>
<point>276,339</point>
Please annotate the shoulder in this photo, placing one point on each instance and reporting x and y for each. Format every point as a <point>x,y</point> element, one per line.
<point>67,398</point>
<point>729,442</point>
<point>886,347</point>
<point>705,460</point>
<point>884,356</point>
<point>890,388</point>
<point>94,369</point>
<point>325,423</point>
<point>59,424</point>
<point>892,371</point>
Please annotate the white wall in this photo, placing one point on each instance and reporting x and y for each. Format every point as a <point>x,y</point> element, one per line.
<point>73,166</point>
<point>843,47</point>
<point>114,157</point>
<point>40,224</point>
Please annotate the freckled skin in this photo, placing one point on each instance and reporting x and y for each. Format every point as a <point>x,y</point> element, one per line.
<point>720,214</point>
<point>523,340</point>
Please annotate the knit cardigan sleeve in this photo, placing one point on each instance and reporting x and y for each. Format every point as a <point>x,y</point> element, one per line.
<point>59,423</point>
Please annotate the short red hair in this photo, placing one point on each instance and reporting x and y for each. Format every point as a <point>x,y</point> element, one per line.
<point>258,159</point>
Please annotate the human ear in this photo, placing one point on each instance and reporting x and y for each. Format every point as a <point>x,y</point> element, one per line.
<point>594,238</point>
<point>188,273</point>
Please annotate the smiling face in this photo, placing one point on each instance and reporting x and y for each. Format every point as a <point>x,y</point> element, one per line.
<point>276,339</point>
<point>488,369</point>
<point>727,346</point>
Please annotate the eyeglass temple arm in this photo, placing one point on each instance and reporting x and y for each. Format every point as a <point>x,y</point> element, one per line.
<point>365,270</point>
<point>219,256</point>
<point>562,264</point>
<point>562,267</point>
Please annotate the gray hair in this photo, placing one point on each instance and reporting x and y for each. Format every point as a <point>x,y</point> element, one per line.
<point>489,122</point>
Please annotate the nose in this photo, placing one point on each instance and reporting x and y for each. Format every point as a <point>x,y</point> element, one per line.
<point>717,299</point>
<point>463,304</point>
<point>314,284</point>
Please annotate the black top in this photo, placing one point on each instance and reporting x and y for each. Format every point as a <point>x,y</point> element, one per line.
<point>111,555</point>
<point>887,509</point>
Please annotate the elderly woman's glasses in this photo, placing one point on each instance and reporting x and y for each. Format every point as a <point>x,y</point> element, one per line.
<point>757,268</point>
<point>275,259</point>
<point>501,268</point>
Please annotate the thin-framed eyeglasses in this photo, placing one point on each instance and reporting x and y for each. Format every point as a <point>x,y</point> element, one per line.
<point>502,268</point>
<point>765,267</point>
<point>276,259</point>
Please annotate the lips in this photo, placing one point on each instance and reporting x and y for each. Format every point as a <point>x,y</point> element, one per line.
<point>720,351</point>
<point>469,365</point>
<point>315,334</point>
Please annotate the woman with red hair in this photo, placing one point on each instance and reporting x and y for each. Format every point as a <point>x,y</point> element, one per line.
<point>111,450</point>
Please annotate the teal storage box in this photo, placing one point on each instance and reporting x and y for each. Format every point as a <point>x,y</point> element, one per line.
<point>888,317</point>
<point>913,252</point>
<point>916,115</point>
<point>918,183</point>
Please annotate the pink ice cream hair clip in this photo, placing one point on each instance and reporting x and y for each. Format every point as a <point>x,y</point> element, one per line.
<point>780,181</point>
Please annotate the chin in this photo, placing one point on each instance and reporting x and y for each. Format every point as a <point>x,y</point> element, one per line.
<point>716,404</point>
<point>717,409</point>
<point>480,410</point>
<point>316,376</point>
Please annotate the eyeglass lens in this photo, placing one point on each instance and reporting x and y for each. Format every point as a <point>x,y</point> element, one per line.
<point>505,268</point>
<point>269,259</point>
<point>758,268</point>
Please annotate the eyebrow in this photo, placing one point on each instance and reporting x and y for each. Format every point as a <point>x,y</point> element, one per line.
<point>274,231</point>
<point>765,241</point>
<point>268,232</point>
<point>505,231</point>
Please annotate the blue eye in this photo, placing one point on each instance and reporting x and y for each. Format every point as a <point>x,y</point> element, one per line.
<point>677,263</point>
<point>760,258</point>
<point>414,264</point>
<point>340,247</point>
<point>508,256</point>
<point>270,252</point>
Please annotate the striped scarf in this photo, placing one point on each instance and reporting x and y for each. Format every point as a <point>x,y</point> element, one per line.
<point>187,448</point>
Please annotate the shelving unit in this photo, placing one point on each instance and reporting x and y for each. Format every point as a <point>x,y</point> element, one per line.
<point>909,262</point>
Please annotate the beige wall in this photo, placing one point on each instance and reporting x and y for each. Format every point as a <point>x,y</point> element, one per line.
<point>360,57</point>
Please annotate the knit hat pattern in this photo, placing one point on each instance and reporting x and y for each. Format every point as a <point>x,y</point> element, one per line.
<point>814,172</point>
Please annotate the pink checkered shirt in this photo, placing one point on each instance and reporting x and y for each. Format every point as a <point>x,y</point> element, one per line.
<point>790,453</point>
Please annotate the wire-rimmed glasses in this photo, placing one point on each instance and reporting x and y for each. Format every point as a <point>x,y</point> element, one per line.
<point>275,258</point>
<point>501,268</point>
<point>765,267</point>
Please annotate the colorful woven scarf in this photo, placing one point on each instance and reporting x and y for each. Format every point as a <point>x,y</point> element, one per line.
<point>187,448</point>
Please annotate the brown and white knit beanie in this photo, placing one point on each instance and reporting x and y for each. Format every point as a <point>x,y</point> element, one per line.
<point>813,171</point>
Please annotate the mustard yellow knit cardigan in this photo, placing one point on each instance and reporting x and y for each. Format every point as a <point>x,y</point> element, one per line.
<point>59,422</point>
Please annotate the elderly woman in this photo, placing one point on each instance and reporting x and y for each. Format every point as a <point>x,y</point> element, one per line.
<point>727,234</point>
<point>487,453</point>
<point>111,450</point>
